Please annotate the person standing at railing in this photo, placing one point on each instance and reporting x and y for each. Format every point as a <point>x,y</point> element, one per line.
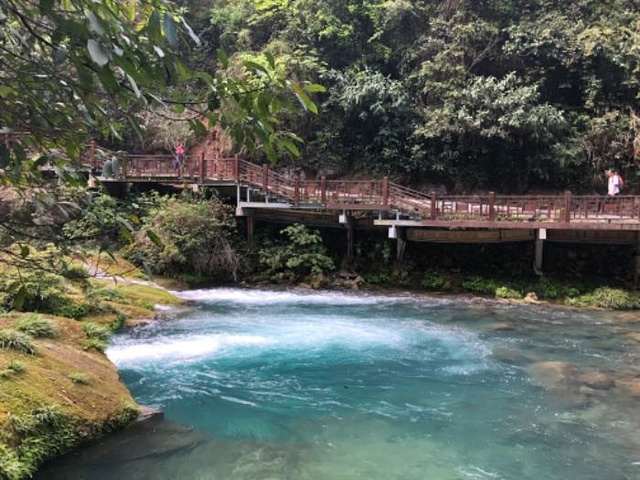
<point>615,183</point>
<point>178,157</point>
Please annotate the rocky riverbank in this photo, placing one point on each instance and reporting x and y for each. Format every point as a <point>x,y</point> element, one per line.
<point>57,388</point>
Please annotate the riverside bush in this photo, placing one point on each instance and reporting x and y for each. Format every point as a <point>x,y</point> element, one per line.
<point>436,281</point>
<point>480,285</point>
<point>615,299</point>
<point>37,327</point>
<point>300,253</point>
<point>507,292</point>
<point>191,234</point>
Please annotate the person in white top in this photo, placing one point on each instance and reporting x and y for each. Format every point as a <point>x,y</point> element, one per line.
<point>615,183</point>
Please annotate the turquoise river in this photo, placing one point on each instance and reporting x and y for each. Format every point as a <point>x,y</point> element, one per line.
<point>261,384</point>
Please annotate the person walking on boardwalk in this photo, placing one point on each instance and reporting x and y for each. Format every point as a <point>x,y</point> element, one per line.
<point>614,184</point>
<point>178,156</point>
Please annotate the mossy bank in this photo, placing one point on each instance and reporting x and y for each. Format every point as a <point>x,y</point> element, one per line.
<point>57,388</point>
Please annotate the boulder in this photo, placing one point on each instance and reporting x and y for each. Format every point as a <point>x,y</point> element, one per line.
<point>631,386</point>
<point>500,326</point>
<point>510,356</point>
<point>531,297</point>
<point>596,380</point>
<point>551,375</point>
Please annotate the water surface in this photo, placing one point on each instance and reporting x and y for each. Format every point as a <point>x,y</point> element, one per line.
<point>322,386</point>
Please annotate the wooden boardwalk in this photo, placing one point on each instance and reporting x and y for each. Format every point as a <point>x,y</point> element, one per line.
<point>398,205</point>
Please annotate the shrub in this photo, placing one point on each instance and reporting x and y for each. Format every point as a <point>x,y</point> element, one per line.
<point>436,281</point>
<point>72,309</point>
<point>119,322</point>
<point>37,327</point>
<point>11,466</point>
<point>16,366</point>
<point>376,278</point>
<point>96,331</point>
<point>17,341</point>
<point>94,344</point>
<point>479,285</point>
<point>615,299</point>
<point>79,378</point>
<point>301,253</point>
<point>506,292</point>
<point>188,235</point>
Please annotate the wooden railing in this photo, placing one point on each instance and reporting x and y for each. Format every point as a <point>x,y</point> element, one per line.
<point>379,194</point>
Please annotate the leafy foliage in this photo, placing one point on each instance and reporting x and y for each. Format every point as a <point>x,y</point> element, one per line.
<point>301,252</point>
<point>37,327</point>
<point>193,234</point>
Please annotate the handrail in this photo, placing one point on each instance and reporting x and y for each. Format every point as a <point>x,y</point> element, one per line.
<point>379,194</point>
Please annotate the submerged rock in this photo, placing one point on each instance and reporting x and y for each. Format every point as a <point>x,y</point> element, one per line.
<point>500,326</point>
<point>596,380</point>
<point>553,374</point>
<point>510,356</point>
<point>631,386</point>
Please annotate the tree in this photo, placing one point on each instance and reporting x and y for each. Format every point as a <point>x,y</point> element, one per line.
<point>72,68</point>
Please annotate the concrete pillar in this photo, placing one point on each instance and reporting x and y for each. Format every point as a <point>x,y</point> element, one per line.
<point>538,261</point>
<point>348,259</point>
<point>250,229</point>
<point>400,234</point>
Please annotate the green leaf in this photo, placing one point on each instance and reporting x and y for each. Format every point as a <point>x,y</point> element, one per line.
<point>153,27</point>
<point>223,58</point>
<point>304,99</point>
<point>97,53</point>
<point>170,29</point>
<point>135,219</point>
<point>270,152</point>
<point>134,85</point>
<point>289,145</point>
<point>270,60</point>
<point>154,238</point>
<point>251,65</point>
<point>191,33</point>
<point>126,235</point>
<point>315,88</point>
<point>21,296</point>
<point>24,251</point>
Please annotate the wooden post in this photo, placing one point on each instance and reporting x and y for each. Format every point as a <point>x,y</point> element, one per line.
<point>492,206</point>
<point>348,260</point>
<point>236,167</point>
<point>203,167</point>
<point>265,177</point>
<point>323,190</point>
<point>296,190</point>
<point>385,191</point>
<point>567,207</point>
<point>434,211</point>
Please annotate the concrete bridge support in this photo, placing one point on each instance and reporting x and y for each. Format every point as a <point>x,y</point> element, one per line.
<point>400,235</point>
<point>538,261</point>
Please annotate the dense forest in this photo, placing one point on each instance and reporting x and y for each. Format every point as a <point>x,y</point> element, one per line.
<point>514,95</point>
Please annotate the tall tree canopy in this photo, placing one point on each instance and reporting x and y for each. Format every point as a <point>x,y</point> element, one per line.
<point>72,68</point>
<point>506,94</point>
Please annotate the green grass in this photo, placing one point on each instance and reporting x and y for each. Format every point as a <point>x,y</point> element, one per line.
<point>37,327</point>
<point>17,341</point>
